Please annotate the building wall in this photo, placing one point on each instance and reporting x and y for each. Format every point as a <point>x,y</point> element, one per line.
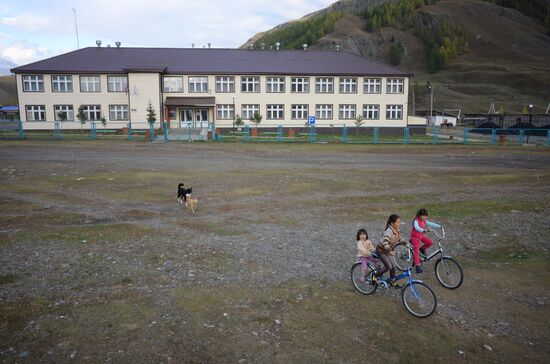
<point>145,87</point>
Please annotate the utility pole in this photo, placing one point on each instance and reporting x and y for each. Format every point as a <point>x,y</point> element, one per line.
<point>431,102</point>
<point>76,29</point>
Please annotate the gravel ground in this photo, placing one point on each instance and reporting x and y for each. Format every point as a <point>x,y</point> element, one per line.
<point>94,223</point>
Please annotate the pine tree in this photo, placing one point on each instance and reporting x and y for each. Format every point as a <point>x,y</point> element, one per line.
<point>151,114</point>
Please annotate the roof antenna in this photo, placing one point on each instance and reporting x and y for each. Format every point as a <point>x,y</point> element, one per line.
<point>209,44</point>
<point>192,45</point>
<point>278,45</point>
<point>98,42</point>
<point>108,46</point>
<point>117,44</point>
<point>76,29</point>
<point>251,47</point>
<point>338,48</point>
<point>304,46</point>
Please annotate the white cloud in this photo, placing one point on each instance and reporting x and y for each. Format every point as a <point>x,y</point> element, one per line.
<point>24,52</point>
<point>27,22</point>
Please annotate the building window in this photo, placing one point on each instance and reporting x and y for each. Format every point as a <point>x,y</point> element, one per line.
<point>348,85</point>
<point>275,112</point>
<point>33,83</point>
<point>65,112</point>
<point>275,84</point>
<point>372,85</point>
<point>172,114</point>
<point>347,111</point>
<point>299,84</point>
<point>324,85</point>
<point>172,84</point>
<point>248,111</point>
<point>90,84</point>
<point>371,112</point>
<point>118,112</point>
<point>36,112</point>
<point>250,84</point>
<point>299,111</point>
<point>198,84</point>
<point>225,111</point>
<point>323,111</point>
<point>62,83</point>
<point>117,83</point>
<point>225,84</point>
<point>394,86</point>
<point>394,112</point>
<point>92,112</point>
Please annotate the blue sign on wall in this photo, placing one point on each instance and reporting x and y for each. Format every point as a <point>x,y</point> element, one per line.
<point>311,120</point>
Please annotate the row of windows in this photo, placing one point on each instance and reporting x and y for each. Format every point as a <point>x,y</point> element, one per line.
<point>301,111</point>
<point>277,84</point>
<point>66,112</point>
<point>64,83</point>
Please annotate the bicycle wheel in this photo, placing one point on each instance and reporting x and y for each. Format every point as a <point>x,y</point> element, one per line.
<point>419,299</point>
<point>448,273</point>
<point>365,287</point>
<point>403,257</point>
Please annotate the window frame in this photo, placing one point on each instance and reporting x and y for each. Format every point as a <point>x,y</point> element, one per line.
<point>87,76</point>
<point>117,111</point>
<point>365,111</point>
<point>86,112</point>
<point>318,111</point>
<point>342,110</point>
<point>124,89</point>
<point>220,81</point>
<point>256,110</point>
<point>388,111</point>
<point>38,81</point>
<point>292,111</point>
<point>280,110</point>
<point>343,81</point>
<point>281,85</point>
<point>390,84</point>
<point>33,111</point>
<point>65,82</point>
<point>305,81</point>
<point>256,81</point>
<point>367,84</point>
<point>55,112</point>
<point>190,82</point>
<point>229,108</point>
<point>172,92</point>
<point>320,83</point>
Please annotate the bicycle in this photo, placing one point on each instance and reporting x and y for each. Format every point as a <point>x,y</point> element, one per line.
<point>418,298</point>
<point>447,270</point>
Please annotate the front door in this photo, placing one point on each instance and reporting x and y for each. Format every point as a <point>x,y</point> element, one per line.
<point>201,118</point>
<point>186,117</point>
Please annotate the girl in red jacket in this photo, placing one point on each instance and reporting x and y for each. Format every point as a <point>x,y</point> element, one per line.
<point>420,226</point>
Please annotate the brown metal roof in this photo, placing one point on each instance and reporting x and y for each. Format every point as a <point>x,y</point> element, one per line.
<point>211,62</point>
<point>190,101</point>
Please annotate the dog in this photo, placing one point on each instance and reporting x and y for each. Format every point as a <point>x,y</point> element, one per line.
<point>182,193</point>
<point>191,202</point>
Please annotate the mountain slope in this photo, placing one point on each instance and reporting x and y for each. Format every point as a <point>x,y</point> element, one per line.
<point>506,59</point>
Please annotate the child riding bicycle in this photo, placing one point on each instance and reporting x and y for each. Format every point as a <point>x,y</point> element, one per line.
<point>420,226</point>
<point>365,248</point>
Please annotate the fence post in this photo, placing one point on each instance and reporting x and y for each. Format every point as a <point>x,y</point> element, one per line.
<point>212,132</point>
<point>57,130</point>
<point>493,136</point>
<point>22,131</point>
<point>165,129</point>
<point>129,130</point>
<point>280,133</point>
<point>376,135</point>
<point>465,138</point>
<point>406,135</point>
<point>246,133</point>
<point>435,134</point>
<point>521,136</point>
<point>92,130</point>
<point>151,131</point>
<point>312,133</point>
<point>548,137</point>
<point>345,134</point>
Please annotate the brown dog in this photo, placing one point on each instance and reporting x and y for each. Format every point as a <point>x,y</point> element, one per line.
<point>191,202</point>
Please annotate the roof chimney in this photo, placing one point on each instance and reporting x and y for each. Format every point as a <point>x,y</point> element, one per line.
<point>278,45</point>
<point>338,48</point>
<point>117,44</point>
<point>108,46</point>
<point>192,45</point>
<point>98,42</point>
<point>304,46</point>
<point>209,44</point>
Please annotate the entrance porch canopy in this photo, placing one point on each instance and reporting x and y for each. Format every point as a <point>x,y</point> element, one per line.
<point>172,101</point>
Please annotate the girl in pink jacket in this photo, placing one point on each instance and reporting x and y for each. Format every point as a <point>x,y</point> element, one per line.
<point>420,226</point>
<point>364,252</point>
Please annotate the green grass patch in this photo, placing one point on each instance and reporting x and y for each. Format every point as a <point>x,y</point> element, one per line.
<point>7,278</point>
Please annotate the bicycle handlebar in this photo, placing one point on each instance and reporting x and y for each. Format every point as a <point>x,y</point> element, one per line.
<point>442,236</point>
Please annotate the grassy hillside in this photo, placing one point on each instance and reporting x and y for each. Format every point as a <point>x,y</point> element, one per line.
<point>8,94</point>
<point>473,51</point>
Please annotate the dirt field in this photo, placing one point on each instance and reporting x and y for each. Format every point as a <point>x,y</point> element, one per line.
<point>98,261</point>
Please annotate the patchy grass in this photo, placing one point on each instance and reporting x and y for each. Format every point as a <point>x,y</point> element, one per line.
<point>8,278</point>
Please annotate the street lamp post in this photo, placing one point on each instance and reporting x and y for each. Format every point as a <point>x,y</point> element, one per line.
<point>530,120</point>
<point>233,119</point>
<point>431,102</point>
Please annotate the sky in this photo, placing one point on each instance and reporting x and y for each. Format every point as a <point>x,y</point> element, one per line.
<point>31,30</point>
